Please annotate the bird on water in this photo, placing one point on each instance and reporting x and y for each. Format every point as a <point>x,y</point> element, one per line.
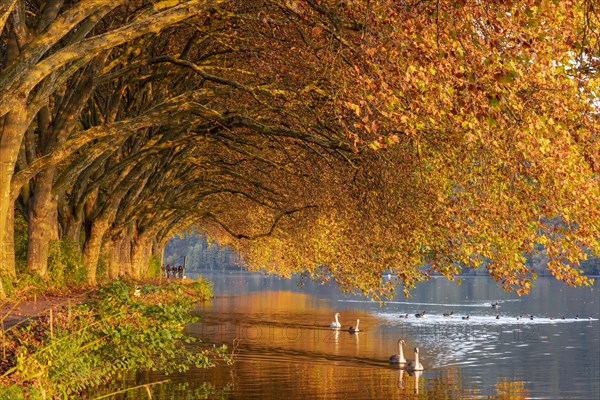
<point>398,358</point>
<point>336,324</point>
<point>415,365</point>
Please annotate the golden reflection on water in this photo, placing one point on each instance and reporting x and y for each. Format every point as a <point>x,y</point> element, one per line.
<point>507,390</point>
<point>284,349</point>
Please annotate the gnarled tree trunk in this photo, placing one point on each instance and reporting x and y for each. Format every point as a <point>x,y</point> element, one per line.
<point>13,128</point>
<point>7,247</point>
<point>43,223</point>
<point>141,250</point>
<point>92,249</point>
<point>119,257</point>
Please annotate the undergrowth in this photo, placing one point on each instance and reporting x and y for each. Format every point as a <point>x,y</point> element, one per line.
<point>122,328</point>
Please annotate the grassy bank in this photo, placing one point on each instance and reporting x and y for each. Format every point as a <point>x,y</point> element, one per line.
<point>120,328</point>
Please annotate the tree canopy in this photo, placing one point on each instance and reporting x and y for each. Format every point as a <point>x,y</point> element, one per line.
<point>339,139</point>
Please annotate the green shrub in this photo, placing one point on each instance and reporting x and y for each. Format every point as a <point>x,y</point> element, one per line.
<point>20,243</point>
<point>65,265</point>
<point>154,270</point>
<point>121,329</point>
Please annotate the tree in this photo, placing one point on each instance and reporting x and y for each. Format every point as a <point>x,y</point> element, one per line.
<point>483,116</point>
<point>42,53</point>
<point>341,139</point>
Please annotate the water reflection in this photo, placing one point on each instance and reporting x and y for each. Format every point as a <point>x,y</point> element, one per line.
<point>284,348</point>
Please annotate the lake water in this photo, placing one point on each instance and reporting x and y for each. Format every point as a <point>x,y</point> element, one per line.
<point>278,331</point>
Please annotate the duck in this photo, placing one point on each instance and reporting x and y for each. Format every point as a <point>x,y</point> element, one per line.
<point>415,365</point>
<point>398,358</point>
<point>403,315</point>
<point>448,314</point>
<point>420,315</point>
<point>495,305</point>
<point>336,324</point>
<point>531,317</point>
<point>498,316</point>
<point>465,317</point>
<point>354,329</point>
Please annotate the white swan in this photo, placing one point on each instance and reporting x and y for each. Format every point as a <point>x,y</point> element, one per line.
<point>415,365</point>
<point>353,329</point>
<point>336,324</point>
<point>398,358</point>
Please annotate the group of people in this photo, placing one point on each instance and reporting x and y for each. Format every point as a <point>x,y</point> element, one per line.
<point>173,271</point>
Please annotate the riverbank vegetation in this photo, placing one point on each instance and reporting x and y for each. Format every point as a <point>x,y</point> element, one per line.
<point>122,328</point>
<point>339,139</point>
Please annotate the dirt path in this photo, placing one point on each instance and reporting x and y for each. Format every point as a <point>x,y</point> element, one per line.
<point>13,313</point>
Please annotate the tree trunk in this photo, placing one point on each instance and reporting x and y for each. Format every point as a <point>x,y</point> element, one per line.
<point>12,132</point>
<point>141,250</point>
<point>100,225</point>
<point>43,223</point>
<point>158,251</point>
<point>91,250</point>
<point>72,232</point>
<point>7,248</point>
<point>119,255</point>
<point>109,250</point>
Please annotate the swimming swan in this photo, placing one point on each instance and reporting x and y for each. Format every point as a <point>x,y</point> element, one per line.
<point>336,324</point>
<point>353,329</point>
<point>398,358</point>
<point>415,365</point>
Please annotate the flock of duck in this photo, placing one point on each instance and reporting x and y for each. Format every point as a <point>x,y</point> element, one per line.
<point>397,359</point>
<point>495,305</point>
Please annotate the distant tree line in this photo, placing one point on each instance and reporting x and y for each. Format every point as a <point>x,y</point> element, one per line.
<point>539,264</point>
<point>200,255</point>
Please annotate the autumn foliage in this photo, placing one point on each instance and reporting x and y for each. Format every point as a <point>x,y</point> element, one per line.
<point>339,139</point>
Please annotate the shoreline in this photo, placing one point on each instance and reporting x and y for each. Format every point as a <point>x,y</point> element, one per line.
<point>72,345</point>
